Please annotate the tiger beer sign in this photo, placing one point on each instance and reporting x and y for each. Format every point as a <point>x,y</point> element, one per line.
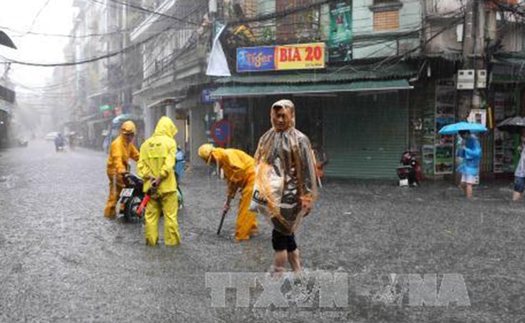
<point>283,57</point>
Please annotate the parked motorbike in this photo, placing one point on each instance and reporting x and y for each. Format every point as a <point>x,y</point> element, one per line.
<point>131,197</point>
<point>410,173</point>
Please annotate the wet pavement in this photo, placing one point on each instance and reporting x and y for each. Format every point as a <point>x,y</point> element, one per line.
<point>62,261</point>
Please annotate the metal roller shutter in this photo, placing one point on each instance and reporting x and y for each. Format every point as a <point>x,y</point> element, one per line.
<point>366,134</point>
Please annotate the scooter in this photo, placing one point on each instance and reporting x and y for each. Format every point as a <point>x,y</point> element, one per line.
<point>131,197</point>
<point>410,173</point>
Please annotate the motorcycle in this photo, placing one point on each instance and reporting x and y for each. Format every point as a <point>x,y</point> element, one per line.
<point>410,173</point>
<point>131,197</point>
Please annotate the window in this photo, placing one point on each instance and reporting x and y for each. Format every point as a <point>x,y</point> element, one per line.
<point>386,14</point>
<point>384,1</point>
<point>386,20</point>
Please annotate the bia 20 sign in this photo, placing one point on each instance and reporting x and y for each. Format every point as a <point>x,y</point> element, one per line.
<point>285,57</point>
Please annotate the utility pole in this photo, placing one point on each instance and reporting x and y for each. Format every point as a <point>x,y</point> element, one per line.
<point>473,47</point>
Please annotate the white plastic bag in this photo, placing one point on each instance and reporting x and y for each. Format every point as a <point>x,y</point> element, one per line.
<point>267,191</point>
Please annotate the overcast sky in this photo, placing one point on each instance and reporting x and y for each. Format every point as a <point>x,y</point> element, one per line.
<point>56,17</point>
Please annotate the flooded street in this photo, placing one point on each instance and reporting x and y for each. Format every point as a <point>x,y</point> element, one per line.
<point>62,261</point>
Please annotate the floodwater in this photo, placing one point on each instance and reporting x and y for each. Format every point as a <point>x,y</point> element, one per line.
<point>62,261</point>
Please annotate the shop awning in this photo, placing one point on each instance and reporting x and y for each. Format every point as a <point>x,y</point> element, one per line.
<point>310,88</point>
<point>331,75</point>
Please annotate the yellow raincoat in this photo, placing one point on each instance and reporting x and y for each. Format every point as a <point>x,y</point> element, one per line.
<point>119,154</point>
<point>239,172</point>
<point>157,160</point>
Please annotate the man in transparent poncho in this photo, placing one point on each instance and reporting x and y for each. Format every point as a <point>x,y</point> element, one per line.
<point>285,183</point>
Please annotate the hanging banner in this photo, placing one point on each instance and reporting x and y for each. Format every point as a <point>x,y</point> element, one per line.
<point>340,37</point>
<point>217,63</point>
<point>285,57</point>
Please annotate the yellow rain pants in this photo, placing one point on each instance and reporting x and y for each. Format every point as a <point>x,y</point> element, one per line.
<point>239,172</point>
<point>157,160</point>
<point>119,155</point>
<point>246,221</point>
<point>168,203</point>
<point>115,187</point>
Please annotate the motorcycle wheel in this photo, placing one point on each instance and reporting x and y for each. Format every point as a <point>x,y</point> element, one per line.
<point>180,198</point>
<point>132,205</point>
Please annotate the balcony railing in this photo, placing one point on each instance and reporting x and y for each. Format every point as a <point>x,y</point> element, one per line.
<point>152,21</point>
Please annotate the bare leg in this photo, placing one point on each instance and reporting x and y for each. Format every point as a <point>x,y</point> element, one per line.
<point>280,259</point>
<point>468,190</point>
<point>295,261</point>
<point>516,196</point>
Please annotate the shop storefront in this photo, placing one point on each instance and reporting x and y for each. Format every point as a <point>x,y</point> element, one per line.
<point>507,99</point>
<point>357,115</point>
<point>362,126</point>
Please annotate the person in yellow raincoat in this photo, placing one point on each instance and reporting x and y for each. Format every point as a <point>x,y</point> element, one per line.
<point>285,182</point>
<point>239,172</point>
<point>120,151</point>
<point>156,167</point>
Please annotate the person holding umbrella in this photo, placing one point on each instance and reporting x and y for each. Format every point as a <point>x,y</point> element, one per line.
<point>470,152</point>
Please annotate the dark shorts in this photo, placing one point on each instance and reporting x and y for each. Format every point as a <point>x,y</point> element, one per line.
<point>519,184</point>
<point>282,242</point>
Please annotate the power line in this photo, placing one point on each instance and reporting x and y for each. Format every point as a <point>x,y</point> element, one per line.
<point>36,17</point>
<point>94,59</point>
<point>152,12</point>
<point>280,14</point>
<point>75,36</point>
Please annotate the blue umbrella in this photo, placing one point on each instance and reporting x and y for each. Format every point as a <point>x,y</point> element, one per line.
<point>454,128</point>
